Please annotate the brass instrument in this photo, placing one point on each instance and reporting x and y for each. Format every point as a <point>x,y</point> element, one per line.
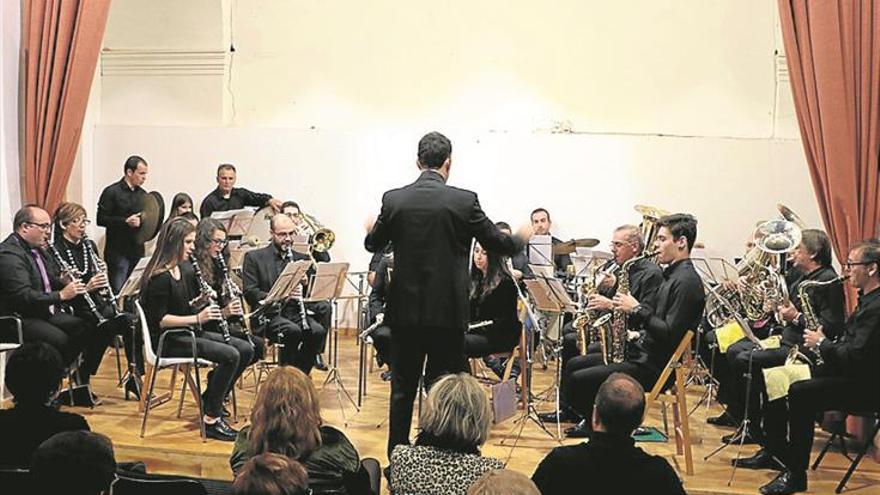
<point>321,238</point>
<point>208,295</point>
<point>649,227</point>
<point>587,318</point>
<point>288,256</point>
<point>618,330</point>
<point>75,276</point>
<point>811,321</point>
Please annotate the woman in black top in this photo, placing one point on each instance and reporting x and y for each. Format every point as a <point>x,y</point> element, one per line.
<point>493,299</point>
<point>166,295</point>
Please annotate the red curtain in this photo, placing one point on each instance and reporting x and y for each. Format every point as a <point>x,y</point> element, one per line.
<point>61,40</point>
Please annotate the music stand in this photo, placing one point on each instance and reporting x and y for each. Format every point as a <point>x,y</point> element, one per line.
<point>284,287</point>
<point>539,250</point>
<point>130,289</point>
<point>327,284</point>
<point>237,222</point>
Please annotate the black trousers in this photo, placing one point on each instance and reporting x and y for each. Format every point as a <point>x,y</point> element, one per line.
<point>569,343</point>
<point>119,267</point>
<point>583,375</point>
<point>789,424</point>
<point>382,342</point>
<point>738,361</point>
<point>322,311</point>
<point>66,333</point>
<point>98,339</point>
<point>438,350</point>
<point>231,360</point>
<point>300,346</point>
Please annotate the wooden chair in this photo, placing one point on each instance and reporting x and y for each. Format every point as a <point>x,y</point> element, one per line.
<point>676,397</point>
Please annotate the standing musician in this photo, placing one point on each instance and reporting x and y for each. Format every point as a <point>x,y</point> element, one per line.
<point>228,197</point>
<point>848,381</point>
<point>169,304</point>
<point>541,225</point>
<point>378,298</point>
<point>431,226</point>
<point>212,257</point>
<point>30,287</point>
<point>676,308</point>
<point>79,252</point>
<point>812,261</point>
<point>261,268</point>
<point>119,212</point>
<point>494,300</point>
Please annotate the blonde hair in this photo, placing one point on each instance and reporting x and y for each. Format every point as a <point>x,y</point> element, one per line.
<point>503,482</point>
<point>457,413</point>
<point>286,418</point>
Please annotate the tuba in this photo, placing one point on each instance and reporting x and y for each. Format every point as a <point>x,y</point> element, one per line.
<point>320,237</point>
<point>648,227</point>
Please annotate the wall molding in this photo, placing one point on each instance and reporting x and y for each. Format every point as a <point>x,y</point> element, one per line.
<point>164,62</point>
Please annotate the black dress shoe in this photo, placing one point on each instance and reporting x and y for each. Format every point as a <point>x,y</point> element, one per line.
<point>386,376</point>
<point>761,460</point>
<point>565,416</point>
<point>786,482</point>
<point>753,437</point>
<point>219,430</point>
<point>580,430</point>
<point>319,363</point>
<point>723,419</point>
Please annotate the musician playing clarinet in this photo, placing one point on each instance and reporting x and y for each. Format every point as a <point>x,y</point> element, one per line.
<point>169,304</point>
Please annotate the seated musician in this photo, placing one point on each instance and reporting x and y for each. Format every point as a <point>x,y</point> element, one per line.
<point>168,305</point>
<point>322,310</point>
<point>493,299</point>
<point>228,197</point>
<point>210,246</point>
<point>31,288</point>
<point>261,269</point>
<point>180,205</point>
<point>645,277</point>
<point>677,307</point>
<point>378,297</point>
<point>848,381</point>
<point>519,260</point>
<point>80,253</point>
<point>812,261</point>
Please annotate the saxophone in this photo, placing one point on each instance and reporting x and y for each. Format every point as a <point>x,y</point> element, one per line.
<point>618,330</point>
<point>811,321</point>
<point>585,321</point>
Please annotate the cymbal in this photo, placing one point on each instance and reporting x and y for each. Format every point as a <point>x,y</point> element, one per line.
<point>571,246</point>
<point>152,208</point>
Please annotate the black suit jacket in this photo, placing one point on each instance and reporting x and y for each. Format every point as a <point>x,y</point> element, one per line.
<point>827,302</point>
<point>431,226</point>
<point>854,355</point>
<point>26,427</point>
<point>21,285</point>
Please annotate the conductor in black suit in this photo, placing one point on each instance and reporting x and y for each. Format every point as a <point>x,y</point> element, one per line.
<point>431,226</point>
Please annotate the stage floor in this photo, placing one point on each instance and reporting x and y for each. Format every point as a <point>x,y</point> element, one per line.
<point>173,446</point>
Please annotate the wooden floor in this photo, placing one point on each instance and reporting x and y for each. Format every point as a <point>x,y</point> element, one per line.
<point>173,445</point>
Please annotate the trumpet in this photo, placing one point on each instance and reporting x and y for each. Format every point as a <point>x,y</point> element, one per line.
<point>321,238</point>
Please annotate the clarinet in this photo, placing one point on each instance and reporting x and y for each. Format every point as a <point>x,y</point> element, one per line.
<point>208,293</point>
<point>302,305</point>
<point>101,267</point>
<point>232,289</point>
<point>74,275</point>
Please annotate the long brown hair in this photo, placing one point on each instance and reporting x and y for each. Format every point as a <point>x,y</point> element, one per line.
<point>286,418</point>
<point>168,249</point>
<point>204,234</point>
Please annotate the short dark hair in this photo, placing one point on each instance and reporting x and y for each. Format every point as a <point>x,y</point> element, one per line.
<point>24,215</point>
<point>434,150</point>
<point>74,462</point>
<point>290,203</point>
<point>818,245</point>
<point>539,210</point>
<point>620,404</point>
<point>869,251</point>
<point>680,224</point>
<point>271,474</point>
<point>132,162</point>
<point>503,226</point>
<point>33,373</point>
<point>225,166</point>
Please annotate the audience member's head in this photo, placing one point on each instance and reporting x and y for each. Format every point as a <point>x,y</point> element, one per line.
<point>271,474</point>
<point>619,406</point>
<point>286,418</point>
<point>457,415</point>
<point>33,373</point>
<point>503,482</point>
<point>74,463</point>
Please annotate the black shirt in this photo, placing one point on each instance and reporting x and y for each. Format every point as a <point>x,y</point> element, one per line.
<point>24,428</point>
<point>607,464</point>
<point>379,290</point>
<point>855,354</point>
<point>166,296</point>
<point>499,306</point>
<point>678,307</point>
<point>827,303</point>
<point>238,198</point>
<point>118,202</point>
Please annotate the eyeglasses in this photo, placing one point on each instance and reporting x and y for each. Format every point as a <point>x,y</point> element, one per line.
<point>81,221</point>
<point>219,242</point>
<point>849,264</point>
<point>41,226</point>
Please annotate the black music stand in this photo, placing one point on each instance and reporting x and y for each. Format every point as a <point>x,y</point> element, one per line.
<point>131,289</point>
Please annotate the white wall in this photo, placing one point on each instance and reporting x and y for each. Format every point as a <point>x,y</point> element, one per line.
<point>10,189</point>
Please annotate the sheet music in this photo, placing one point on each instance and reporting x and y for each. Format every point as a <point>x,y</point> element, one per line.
<point>229,214</point>
<point>540,250</point>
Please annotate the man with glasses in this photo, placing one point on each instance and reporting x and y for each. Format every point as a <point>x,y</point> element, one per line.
<point>260,270</point>
<point>848,381</point>
<point>31,288</point>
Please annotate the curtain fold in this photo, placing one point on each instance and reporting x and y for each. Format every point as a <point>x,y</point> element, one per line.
<point>61,41</point>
